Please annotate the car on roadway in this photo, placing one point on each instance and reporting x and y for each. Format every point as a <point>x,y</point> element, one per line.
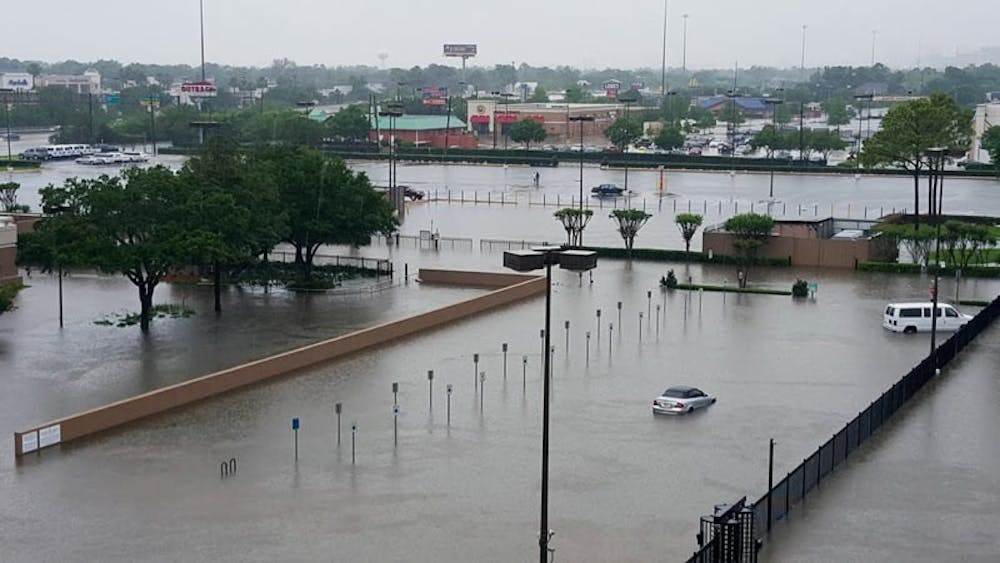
<point>681,399</point>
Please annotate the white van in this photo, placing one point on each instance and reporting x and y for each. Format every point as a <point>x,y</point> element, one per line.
<point>916,317</point>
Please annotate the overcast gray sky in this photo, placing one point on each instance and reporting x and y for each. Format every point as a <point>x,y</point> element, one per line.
<point>581,33</point>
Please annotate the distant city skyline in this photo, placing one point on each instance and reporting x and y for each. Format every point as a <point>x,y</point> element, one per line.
<point>555,33</point>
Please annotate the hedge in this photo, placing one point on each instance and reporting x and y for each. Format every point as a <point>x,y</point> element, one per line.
<point>897,268</point>
<point>666,255</point>
<point>732,289</point>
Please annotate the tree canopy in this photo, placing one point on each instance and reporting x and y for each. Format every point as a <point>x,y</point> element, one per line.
<point>527,131</point>
<point>574,221</point>
<point>991,144</point>
<point>624,131</point>
<point>325,202</point>
<point>911,128</point>
<point>688,224</point>
<point>349,124</point>
<point>629,222</point>
<point>670,137</point>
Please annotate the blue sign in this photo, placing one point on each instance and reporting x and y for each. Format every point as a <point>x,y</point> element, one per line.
<point>295,424</point>
<point>111,99</point>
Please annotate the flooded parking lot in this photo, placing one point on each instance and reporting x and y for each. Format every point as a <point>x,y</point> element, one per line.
<point>625,485</point>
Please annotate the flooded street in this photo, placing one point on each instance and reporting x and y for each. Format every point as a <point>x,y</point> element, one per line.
<point>624,485</point>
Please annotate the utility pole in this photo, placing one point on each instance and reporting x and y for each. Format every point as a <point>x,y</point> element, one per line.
<point>803,63</point>
<point>684,51</point>
<point>663,60</point>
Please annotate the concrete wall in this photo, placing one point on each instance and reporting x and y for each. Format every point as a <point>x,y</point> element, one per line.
<point>828,253</point>
<point>8,251</point>
<point>474,279</point>
<point>161,400</point>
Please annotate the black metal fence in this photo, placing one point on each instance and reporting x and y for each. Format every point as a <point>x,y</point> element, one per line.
<point>381,266</point>
<point>807,476</point>
<point>727,535</point>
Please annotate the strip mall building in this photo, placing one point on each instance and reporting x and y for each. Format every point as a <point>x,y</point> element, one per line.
<point>487,117</point>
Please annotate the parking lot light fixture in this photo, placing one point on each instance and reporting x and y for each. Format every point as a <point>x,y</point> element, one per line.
<point>528,261</point>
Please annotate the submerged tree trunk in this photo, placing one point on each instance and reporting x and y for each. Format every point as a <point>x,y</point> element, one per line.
<point>916,198</point>
<point>145,304</point>
<point>217,283</point>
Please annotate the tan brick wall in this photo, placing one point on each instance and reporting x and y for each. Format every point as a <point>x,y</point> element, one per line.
<point>161,400</point>
<point>828,253</point>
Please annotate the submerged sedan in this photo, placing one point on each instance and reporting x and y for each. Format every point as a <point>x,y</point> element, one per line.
<point>680,400</point>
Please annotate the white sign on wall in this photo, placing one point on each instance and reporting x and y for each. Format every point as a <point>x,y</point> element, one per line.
<point>49,436</point>
<point>29,442</point>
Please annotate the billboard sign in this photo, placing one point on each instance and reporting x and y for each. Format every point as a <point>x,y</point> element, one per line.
<point>17,81</point>
<point>460,50</point>
<point>202,89</point>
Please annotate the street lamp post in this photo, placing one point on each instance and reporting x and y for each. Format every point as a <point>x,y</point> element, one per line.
<point>774,103</point>
<point>684,43</point>
<point>803,63</point>
<point>527,261</point>
<point>6,112</point>
<point>628,97</point>
<point>581,119</point>
<point>732,95</point>
<point>393,109</point>
<point>935,157</point>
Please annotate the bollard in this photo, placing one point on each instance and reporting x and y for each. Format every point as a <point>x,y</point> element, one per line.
<point>598,327</point>
<point>295,431</point>
<point>701,294</point>
<point>430,390</point>
<point>649,303</point>
<point>482,389</point>
<point>611,330</point>
<point>395,414</point>
<point>354,432</point>
<point>640,326</point>
<point>406,272</point>
<point>503,348</point>
<point>524,372</point>
<point>338,407</point>
<point>657,320</point>
<point>475,371</point>
<point>566,325</point>
<point>619,313</point>
<point>588,347</point>
<point>541,354</point>
<point>448,388</point>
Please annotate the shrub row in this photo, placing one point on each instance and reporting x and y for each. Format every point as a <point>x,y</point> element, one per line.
<point>666,255</point>
<point>733,289</point>
<point>898,268</point>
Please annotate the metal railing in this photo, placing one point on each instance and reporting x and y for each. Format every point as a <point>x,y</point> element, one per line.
<point>381,266</point>
<point>808,475</point>
<point>490,244</point>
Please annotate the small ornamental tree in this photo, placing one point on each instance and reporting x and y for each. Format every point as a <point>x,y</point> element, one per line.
<point>688,224</point>
<point>629,223</point>
<point>527,131</point>
<point>624,131</point>
<point>574,221</point>
<point>991,143</point>
<point>7,294</point>
<point>670,137</point>
<point>8,198</point>
<point>750,231</point>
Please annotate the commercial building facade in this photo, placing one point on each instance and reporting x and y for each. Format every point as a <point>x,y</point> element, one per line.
<point>8,251</point>
<point>87,83</point>
<point>987,115</point>
<point>436,131</point>
<point>17,81</point>
<point>487,117</point>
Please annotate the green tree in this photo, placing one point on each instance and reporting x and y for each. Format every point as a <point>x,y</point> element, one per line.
<point>670,137</point>
<point>233,209</point>
<point>629,222</point>
<point>350,123</point>
<point>137,224</point>
<point>784,113</point>
<point>825,141</point>
<point>527,131</point>
<point>574,221</point>
<point>7,294</point>
<point>624,131</point>
<point>836,112</point>
<point>675,108</point>
<point>576,95</point>
<point>703,119</point>
<point>911,128</point>
<point>325,202</point>
<point>991,143</point>
<point>917,242</point>
<point>688,224</point>
<point>750,232</point>
<point>539,95</point>
<point>8,198</point>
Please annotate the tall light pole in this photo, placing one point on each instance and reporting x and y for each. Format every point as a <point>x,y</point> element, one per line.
<point>6,112</point>
<point>803,63</point>
<point>874,33</point>
<point>628,97</point>
<point>774,103</point>
<point>393,109</point>
<point>201,19</point>
<point>684,49</point>
<point>527,261</point>
<point>663,60</point>
<point>580,120</point>
<point>935,157</point>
